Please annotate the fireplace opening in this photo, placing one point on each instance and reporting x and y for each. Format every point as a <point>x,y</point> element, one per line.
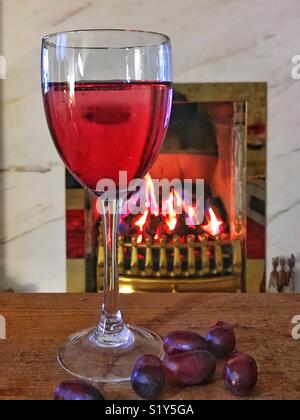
<point>205,141</point>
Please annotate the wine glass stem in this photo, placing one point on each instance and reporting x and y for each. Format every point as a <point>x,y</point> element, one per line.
<point>111,329</point>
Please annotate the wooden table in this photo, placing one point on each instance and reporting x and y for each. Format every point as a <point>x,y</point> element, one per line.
<point>36,324</point>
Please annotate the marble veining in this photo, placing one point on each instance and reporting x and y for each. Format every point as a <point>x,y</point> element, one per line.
<point>71,14</point>
<point>31,168</point>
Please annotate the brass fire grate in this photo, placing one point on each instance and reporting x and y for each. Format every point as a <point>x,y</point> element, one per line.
<point>141,265</point>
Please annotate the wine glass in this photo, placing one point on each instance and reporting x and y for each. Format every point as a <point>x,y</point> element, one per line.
<point>107,97</point>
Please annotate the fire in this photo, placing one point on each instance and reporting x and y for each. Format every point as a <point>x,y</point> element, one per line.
<point>171,217</point>
<point>142,221</point>
<point>150,196</point>
<point>164,219</point>
<point>191,219</point>
<point>214,224</point>
<point>141,224</point>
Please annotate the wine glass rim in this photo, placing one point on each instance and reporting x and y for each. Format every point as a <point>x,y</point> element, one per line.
<point>47,38</point>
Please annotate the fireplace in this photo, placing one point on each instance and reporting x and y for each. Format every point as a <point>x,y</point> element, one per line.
<point>217,133</point>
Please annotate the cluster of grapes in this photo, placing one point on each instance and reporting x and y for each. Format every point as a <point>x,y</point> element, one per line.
<point>190,359</point>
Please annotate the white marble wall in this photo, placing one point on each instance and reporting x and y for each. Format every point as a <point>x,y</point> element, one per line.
<point>214,41</point>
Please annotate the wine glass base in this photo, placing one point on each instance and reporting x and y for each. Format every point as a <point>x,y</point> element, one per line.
<point>81,357</point>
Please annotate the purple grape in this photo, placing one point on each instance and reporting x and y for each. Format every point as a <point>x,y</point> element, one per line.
<point>240,374</point>
<point>190,368</point>
<point>183,341</point>
<point>222,341</point>
<point>148,377</point>
<point>77,391</point>
<point>224,325</point>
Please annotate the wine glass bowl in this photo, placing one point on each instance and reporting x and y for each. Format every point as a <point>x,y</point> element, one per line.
<point>107,97</point>
<point>107,102</point>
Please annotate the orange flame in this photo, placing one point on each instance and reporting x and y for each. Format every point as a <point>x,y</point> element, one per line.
<point>189,210</point>
<point>150,195</point>
<point>170,213</point>
<point>191,219</point>
<point>142,221</point>
<point>171,217</point>
<point>214,224</point>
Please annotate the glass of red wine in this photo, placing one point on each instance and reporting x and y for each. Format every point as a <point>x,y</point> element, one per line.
<point>107,97</point>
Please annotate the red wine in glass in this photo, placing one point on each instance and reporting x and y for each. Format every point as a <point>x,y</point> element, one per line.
<point>107,96</point>
<point>102,128</point>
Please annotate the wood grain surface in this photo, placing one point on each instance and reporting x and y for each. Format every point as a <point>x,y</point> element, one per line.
<point>37,324</point>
